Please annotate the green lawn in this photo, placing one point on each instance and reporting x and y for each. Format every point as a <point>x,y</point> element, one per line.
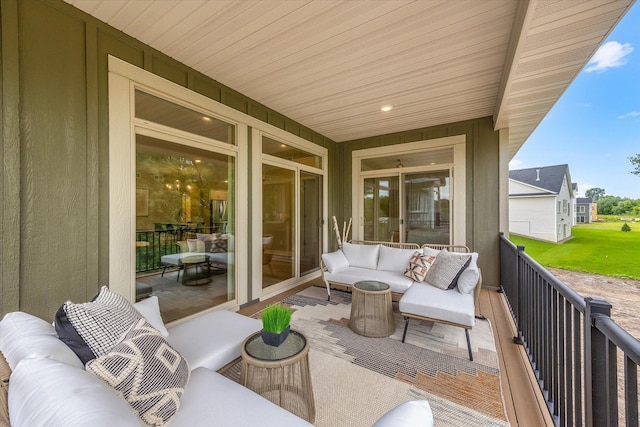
<point>599,248</point>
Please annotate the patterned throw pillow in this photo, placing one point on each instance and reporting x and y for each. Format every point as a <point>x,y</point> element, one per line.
<point>93,328</point>
<point>219,245</point>
<point>446,269</point>
<point>419,265</point>
<point>147,372</point>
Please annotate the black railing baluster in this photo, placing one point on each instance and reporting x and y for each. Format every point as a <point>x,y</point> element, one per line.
<point>572,344</point>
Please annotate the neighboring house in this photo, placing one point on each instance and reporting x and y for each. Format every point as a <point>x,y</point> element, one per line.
<point>540,203</point>
<point>584,210</point>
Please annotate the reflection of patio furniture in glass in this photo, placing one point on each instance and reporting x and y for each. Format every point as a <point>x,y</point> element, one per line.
<point>280,374</point>
<point>196,270</point>
<point>371,309</point>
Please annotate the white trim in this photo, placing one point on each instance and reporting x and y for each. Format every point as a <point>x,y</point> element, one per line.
<point>458,178</point>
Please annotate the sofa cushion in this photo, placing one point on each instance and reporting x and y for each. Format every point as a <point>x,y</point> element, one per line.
<point>415,413</point>
<point>149,308</point>
<point>24,336</point>
<point>335,261</point>
<point>425,300</point>
<point>365,256</point>
<point>146,371</point>
<point>395,259</point>
<point>468,279</point>
<point>211,399</point>
<point>397,281</point>
<point>446,269</point>
<point>418,267</point>
<point>47,392</point>
<point>195,245</point>
<point>92,329</point>
<point>220,334</point>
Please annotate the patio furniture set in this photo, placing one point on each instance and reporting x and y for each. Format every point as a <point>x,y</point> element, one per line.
<point>439,283</point>
<point>65,374</point>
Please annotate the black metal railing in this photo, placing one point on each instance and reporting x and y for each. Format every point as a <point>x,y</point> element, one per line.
<point>572,344</point>
<point>151,245</point>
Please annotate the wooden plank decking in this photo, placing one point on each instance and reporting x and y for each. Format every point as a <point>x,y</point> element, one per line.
<point>523,400</point>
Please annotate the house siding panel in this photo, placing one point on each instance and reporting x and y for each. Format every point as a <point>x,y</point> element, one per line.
<point>55,226</point>
<point>533,217</point>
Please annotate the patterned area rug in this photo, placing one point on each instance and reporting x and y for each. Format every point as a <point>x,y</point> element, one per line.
<point>357,379</point>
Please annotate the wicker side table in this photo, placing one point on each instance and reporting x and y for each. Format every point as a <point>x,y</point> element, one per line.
<point>371,309</point>
<point>280,374</point>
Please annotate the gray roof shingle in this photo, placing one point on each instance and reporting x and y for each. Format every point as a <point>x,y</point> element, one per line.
<point>550,177</point>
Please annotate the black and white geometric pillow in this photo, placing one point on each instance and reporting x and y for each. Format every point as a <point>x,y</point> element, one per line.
<point>446,269</point>
<point>419,265</point>
<point>147,372</point>
<point>93,328</point>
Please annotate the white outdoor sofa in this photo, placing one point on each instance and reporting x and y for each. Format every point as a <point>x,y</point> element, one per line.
<point>387,262</point>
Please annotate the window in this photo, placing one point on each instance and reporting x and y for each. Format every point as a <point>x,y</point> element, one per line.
<point>564,206</point>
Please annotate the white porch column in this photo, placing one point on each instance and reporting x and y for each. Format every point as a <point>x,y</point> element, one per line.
<point>503,174</point>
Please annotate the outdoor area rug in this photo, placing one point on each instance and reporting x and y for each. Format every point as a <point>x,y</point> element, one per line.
<point>357,379</point>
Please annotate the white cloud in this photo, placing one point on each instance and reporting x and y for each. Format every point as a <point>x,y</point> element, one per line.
<point>515,164</point>
<point>631,114</point>
<point>611,54</point>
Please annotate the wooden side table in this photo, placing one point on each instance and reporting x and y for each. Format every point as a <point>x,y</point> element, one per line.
<point>280,374</point>
<point>371,309</point>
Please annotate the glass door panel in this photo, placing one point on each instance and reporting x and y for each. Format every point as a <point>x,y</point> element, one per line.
<point>381,209</point>
<point>310,222</point>
<point>427,207</point>
<point>185,207</point>
<point>278,226</point>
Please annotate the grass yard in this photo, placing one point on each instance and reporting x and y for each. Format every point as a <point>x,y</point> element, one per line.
<point>599,248</point>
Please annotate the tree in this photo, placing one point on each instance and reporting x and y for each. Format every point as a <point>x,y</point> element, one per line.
<point>625,227</point>
<point>635,161</point>
<point>595,193</point>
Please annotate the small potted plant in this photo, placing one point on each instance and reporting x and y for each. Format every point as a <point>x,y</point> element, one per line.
<point>275,324</point>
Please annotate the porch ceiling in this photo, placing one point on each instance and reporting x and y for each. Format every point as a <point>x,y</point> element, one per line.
<point>331,65</point>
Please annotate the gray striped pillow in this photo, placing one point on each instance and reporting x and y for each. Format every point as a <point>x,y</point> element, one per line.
<point>446,269</point>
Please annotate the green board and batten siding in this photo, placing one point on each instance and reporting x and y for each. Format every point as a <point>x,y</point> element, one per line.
<point>55,149</point>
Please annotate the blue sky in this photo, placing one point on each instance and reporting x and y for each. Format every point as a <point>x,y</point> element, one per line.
<point>595,126</point>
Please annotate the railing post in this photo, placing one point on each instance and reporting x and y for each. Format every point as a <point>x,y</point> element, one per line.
<point>518,287</point>
<point>595,355</point>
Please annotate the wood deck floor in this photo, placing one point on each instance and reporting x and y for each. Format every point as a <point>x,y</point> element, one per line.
<point>523,400</point>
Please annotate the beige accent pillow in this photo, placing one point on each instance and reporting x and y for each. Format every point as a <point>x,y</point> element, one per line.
<point>419,265</point>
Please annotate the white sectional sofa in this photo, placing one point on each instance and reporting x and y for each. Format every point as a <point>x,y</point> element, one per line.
<point>50,387</point>
<point>388,261</point>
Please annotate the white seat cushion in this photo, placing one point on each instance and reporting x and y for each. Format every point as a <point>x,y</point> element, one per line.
<point>397,281</point>
<point>423,299</point>
<point>211,399</point>
<point>415,413</point>
<point>213,339</point>
<point>46,392</point>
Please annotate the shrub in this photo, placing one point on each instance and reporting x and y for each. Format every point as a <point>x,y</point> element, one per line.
<point>276,318</point>
<point>625,227</point>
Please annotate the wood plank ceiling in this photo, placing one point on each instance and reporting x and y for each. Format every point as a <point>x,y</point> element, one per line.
<point>331,65</point>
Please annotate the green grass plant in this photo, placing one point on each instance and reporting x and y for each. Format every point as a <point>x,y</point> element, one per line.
<point>276,318</point>
<point>598,248</point>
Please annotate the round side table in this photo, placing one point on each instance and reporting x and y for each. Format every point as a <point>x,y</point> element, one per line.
<point>371,309</point>
<point>194,270</point>
<point>280,374</point>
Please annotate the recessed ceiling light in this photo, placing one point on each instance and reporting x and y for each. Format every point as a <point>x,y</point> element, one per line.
<point>206,119</point>
<point>197,160</point>
<point>386,108</point>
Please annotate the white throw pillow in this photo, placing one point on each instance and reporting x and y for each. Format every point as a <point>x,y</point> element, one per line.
<point>46,392</point>
<point>430,251</point>
<point>24,336</point>
<point>469,277</point>
<point>395,259</point>
<point>364,256</point>
<point>150,310</point>
<point>335,261</point>
<point>195,245</point>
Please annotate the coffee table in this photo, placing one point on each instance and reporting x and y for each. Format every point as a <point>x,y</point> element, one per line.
<point>280,374</point>
<point>371,309</point>
<point>196,270</point>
